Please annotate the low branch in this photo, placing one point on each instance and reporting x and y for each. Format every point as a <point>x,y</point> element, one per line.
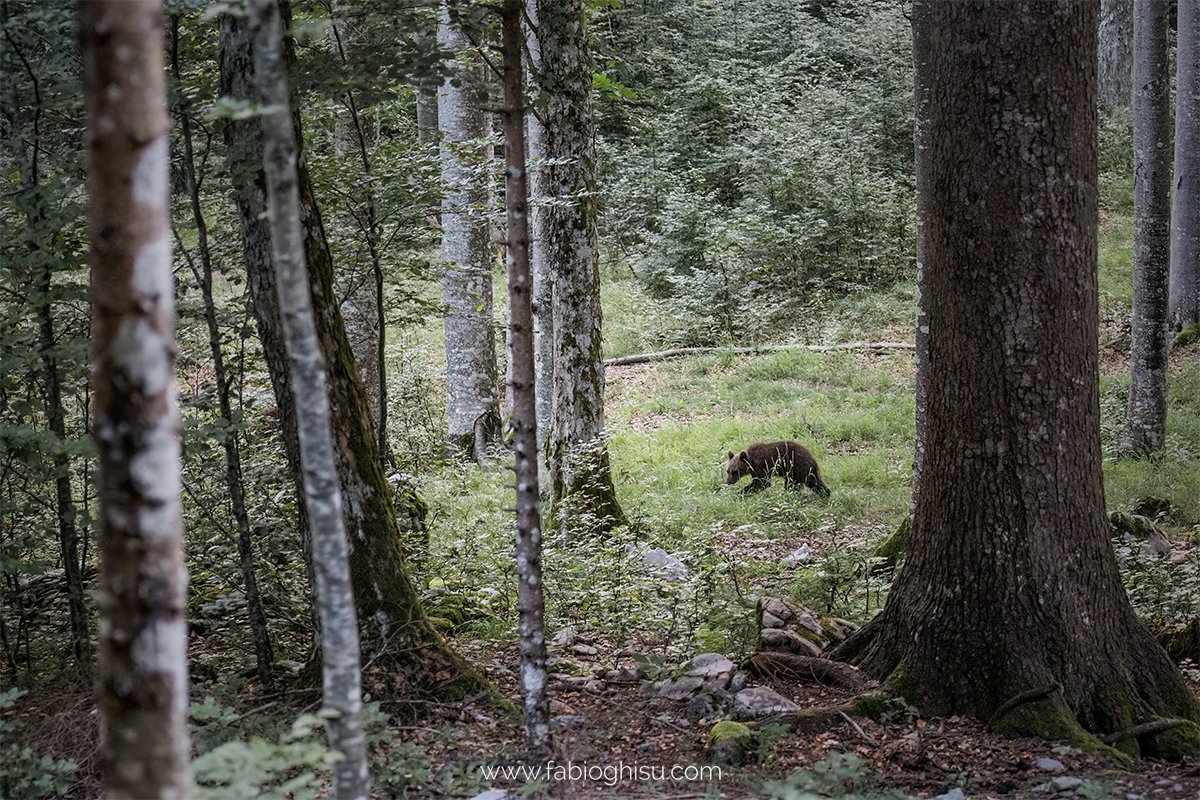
<point>662,355</point>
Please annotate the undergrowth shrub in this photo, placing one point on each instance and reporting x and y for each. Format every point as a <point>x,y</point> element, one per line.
<point>23,773</point>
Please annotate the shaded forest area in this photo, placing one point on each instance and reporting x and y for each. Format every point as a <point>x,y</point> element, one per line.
<point>750,207</point>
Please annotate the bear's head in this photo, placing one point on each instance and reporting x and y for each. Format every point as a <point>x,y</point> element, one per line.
<point>737,468</point>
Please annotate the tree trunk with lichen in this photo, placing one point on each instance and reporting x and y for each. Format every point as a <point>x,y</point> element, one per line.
<point>582,491</point>
<point>1011,584</point>
<point>403,655</point>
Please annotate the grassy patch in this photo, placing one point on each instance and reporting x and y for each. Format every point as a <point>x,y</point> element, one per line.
<point>670,425</point>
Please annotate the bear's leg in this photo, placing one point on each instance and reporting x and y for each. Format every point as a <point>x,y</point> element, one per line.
<point>756,485</point>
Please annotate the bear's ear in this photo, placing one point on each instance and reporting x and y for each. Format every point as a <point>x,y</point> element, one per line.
<point>729,455</point>
<point>744,455</point>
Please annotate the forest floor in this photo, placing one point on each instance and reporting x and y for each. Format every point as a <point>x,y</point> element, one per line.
<point>662,754</point>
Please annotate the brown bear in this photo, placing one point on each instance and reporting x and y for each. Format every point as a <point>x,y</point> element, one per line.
<point>790,460</point>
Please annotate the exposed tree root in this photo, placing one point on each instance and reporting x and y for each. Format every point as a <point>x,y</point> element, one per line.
<point>1153,726</point>
<point>1022,698</point>
<point>806,668</point>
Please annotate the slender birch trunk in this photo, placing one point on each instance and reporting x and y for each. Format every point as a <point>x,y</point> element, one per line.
<point>335,600</point>
<point>142,595</point>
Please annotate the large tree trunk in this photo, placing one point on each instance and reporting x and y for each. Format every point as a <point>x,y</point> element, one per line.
<point>142,596</point>
<point>403,655</point>
<point>1184,300</point>
<point>1011,584</point>
<point>1146,420</point>
<point>472,405</point>
<point>1116,54</point>
<point>583,494</point>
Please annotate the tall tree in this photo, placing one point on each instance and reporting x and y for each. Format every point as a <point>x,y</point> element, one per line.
<point>202,270</point>
<point>1184,300</point>
<point>531,623</point>
<point>543,295</point>
<point>405,655</point>
<point>582,489</point>
<point>1010,568</point>
<point>472,404</point>
<point>1116,54</point>
<point>142,681</point>
<point>342,686</point>
<point>1146,420</point>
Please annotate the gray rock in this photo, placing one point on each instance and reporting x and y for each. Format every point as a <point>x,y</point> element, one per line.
<point>785,641</point>
<point>781,609</point>
<point>699,707</point>
<point>711,665</point>
<point>802,554</point>
<point>680,688</point>
<point>563,638</point>
<point>769,620</point>
<point>954,794</point>
<point>760,702</point>
<point>1064,783</point>
<point>1050,765</point>
<point>659,561</point>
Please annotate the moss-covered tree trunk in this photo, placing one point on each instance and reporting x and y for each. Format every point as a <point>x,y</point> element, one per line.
<point>583,494</point>
<point>1011,584</point>
<point>402,654</point>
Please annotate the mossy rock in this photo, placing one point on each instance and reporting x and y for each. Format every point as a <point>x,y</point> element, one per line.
<point>1132,524</point>
<point>1176,744</point>
<point>1188,336</point>
<point>728,729</point>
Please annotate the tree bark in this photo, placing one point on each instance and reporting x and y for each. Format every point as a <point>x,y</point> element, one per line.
<point>142,595</point>
<point>1011,583</point>
<point>403,654</point>
<point>1116,54</point>
<point>1146,418</point>
<point>922,43</point>
<point>584,497</point>
<point>342,689</point>
<point>531,624</point>
<point>1184,300</point>
<point>543,292</point>
<point>472,404</point>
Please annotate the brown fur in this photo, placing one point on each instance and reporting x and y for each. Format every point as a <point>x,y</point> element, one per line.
<point>789,460</point>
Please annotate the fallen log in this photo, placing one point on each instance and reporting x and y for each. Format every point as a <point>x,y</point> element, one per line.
<point>663,355</point>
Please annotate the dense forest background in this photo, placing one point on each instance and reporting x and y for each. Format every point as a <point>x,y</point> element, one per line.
<point>756,188</point>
